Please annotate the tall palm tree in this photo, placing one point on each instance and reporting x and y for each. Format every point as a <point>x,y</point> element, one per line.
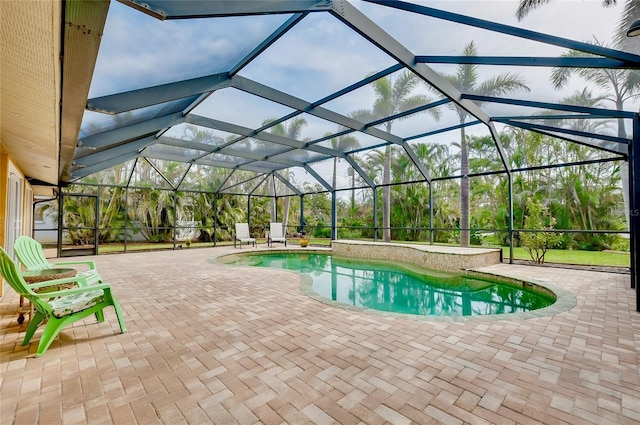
<point>630,14</point>
<point>392,97</point>
<point>342,144</point>
<point>587,193</point>
<point>618,85</point>
<point>291,129</point>
<point>466,80</point>
<point>527,6</point>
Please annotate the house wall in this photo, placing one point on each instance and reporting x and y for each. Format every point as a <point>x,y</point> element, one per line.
<point>24,208</point>
<point>4,178</point>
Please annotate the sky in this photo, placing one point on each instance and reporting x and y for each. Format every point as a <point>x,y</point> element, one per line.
<point>321,55</point>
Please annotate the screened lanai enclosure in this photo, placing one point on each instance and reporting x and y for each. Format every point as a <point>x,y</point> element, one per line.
<point>438,122</point>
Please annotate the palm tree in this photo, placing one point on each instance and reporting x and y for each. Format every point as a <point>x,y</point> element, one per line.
<point>527,6</point>
<point>112,200</point>
<point>392,97</point>
<point>342,144</point>
<point>201,135</point>
<point>441,162</point>
<point>618,85</point>
<point>588,193</point>
<point>466,80</point>
<point>291,129</point>
<point>409,208</point>
<point>630,14</point>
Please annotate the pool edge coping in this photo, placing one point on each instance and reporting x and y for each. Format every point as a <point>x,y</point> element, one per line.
<point>565,300</point>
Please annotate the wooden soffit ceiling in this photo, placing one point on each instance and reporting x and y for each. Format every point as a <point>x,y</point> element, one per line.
<point>46,68</point>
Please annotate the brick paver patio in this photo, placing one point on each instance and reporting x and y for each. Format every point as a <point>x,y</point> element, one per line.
<point>214,344</point>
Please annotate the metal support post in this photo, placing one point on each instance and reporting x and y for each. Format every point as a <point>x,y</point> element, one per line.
<point>126,216</point>
<point>302,224</point>
<point>510,181</point>
<point>375,214</point>
<point>430,213</point>
<point>175,222</point>
<point>60,220</point>
<point>334,217</point>
<point>215,219</point>
<point>249,211</point>
<point>634,210</point>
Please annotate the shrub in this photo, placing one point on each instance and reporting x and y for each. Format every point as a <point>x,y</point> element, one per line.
<point>538,241</point>
<point>322,231</point>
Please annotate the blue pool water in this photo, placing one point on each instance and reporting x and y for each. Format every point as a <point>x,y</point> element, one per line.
<point>392,288</point>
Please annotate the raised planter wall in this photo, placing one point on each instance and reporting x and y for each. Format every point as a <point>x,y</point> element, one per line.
<point>444,258</point>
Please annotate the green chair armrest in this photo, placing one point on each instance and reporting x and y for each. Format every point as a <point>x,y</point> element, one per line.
<point>79,290</point>
<point>90,263</point>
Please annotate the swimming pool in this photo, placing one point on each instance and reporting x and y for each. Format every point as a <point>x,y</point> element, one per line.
<point>397,289</point>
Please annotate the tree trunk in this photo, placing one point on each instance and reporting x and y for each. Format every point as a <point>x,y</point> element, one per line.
<point>285,213</point>
<point>622,133</point>
<point>272,191</point>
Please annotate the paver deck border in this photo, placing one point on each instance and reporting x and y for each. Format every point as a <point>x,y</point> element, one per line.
<point>211,344</point>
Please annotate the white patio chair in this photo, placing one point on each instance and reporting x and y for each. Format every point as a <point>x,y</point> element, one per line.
<point>276,234</point>
<point>243,235</point>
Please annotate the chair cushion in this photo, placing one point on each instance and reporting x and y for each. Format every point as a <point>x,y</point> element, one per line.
<point>69,304</point>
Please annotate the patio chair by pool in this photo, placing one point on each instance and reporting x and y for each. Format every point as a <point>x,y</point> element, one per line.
<point>59,308</point>
<point>31,255</point>
<point>242,235</point>
<point>276,234</point>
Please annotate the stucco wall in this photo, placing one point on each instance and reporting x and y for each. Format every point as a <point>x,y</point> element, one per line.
<point>6,165</point>
<point>443,258</point>
<point>4,173</point>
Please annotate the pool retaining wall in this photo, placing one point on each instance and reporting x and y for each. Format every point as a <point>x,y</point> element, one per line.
<point>444,258</point>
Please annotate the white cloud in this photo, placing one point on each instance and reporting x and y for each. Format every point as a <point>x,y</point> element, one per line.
<point>322,55</point>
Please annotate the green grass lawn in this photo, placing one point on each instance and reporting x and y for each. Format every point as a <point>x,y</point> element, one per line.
<point>591,258</point>
<point>587,258</point>
<point>142,246</point>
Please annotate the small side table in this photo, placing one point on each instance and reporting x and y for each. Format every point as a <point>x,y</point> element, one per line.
<point>37,276</point>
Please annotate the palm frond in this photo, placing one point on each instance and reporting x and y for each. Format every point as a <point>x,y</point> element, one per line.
<point>527,6</point>
<point>502,84</point>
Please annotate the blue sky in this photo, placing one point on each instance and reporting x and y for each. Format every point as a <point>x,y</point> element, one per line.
<point>138,50</point>
<point>321,55</point>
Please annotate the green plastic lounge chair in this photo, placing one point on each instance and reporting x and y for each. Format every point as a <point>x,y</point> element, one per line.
<point>59,308</point>
<point>276,234</point>
<point>31,255</point>
<point>242,235</point>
